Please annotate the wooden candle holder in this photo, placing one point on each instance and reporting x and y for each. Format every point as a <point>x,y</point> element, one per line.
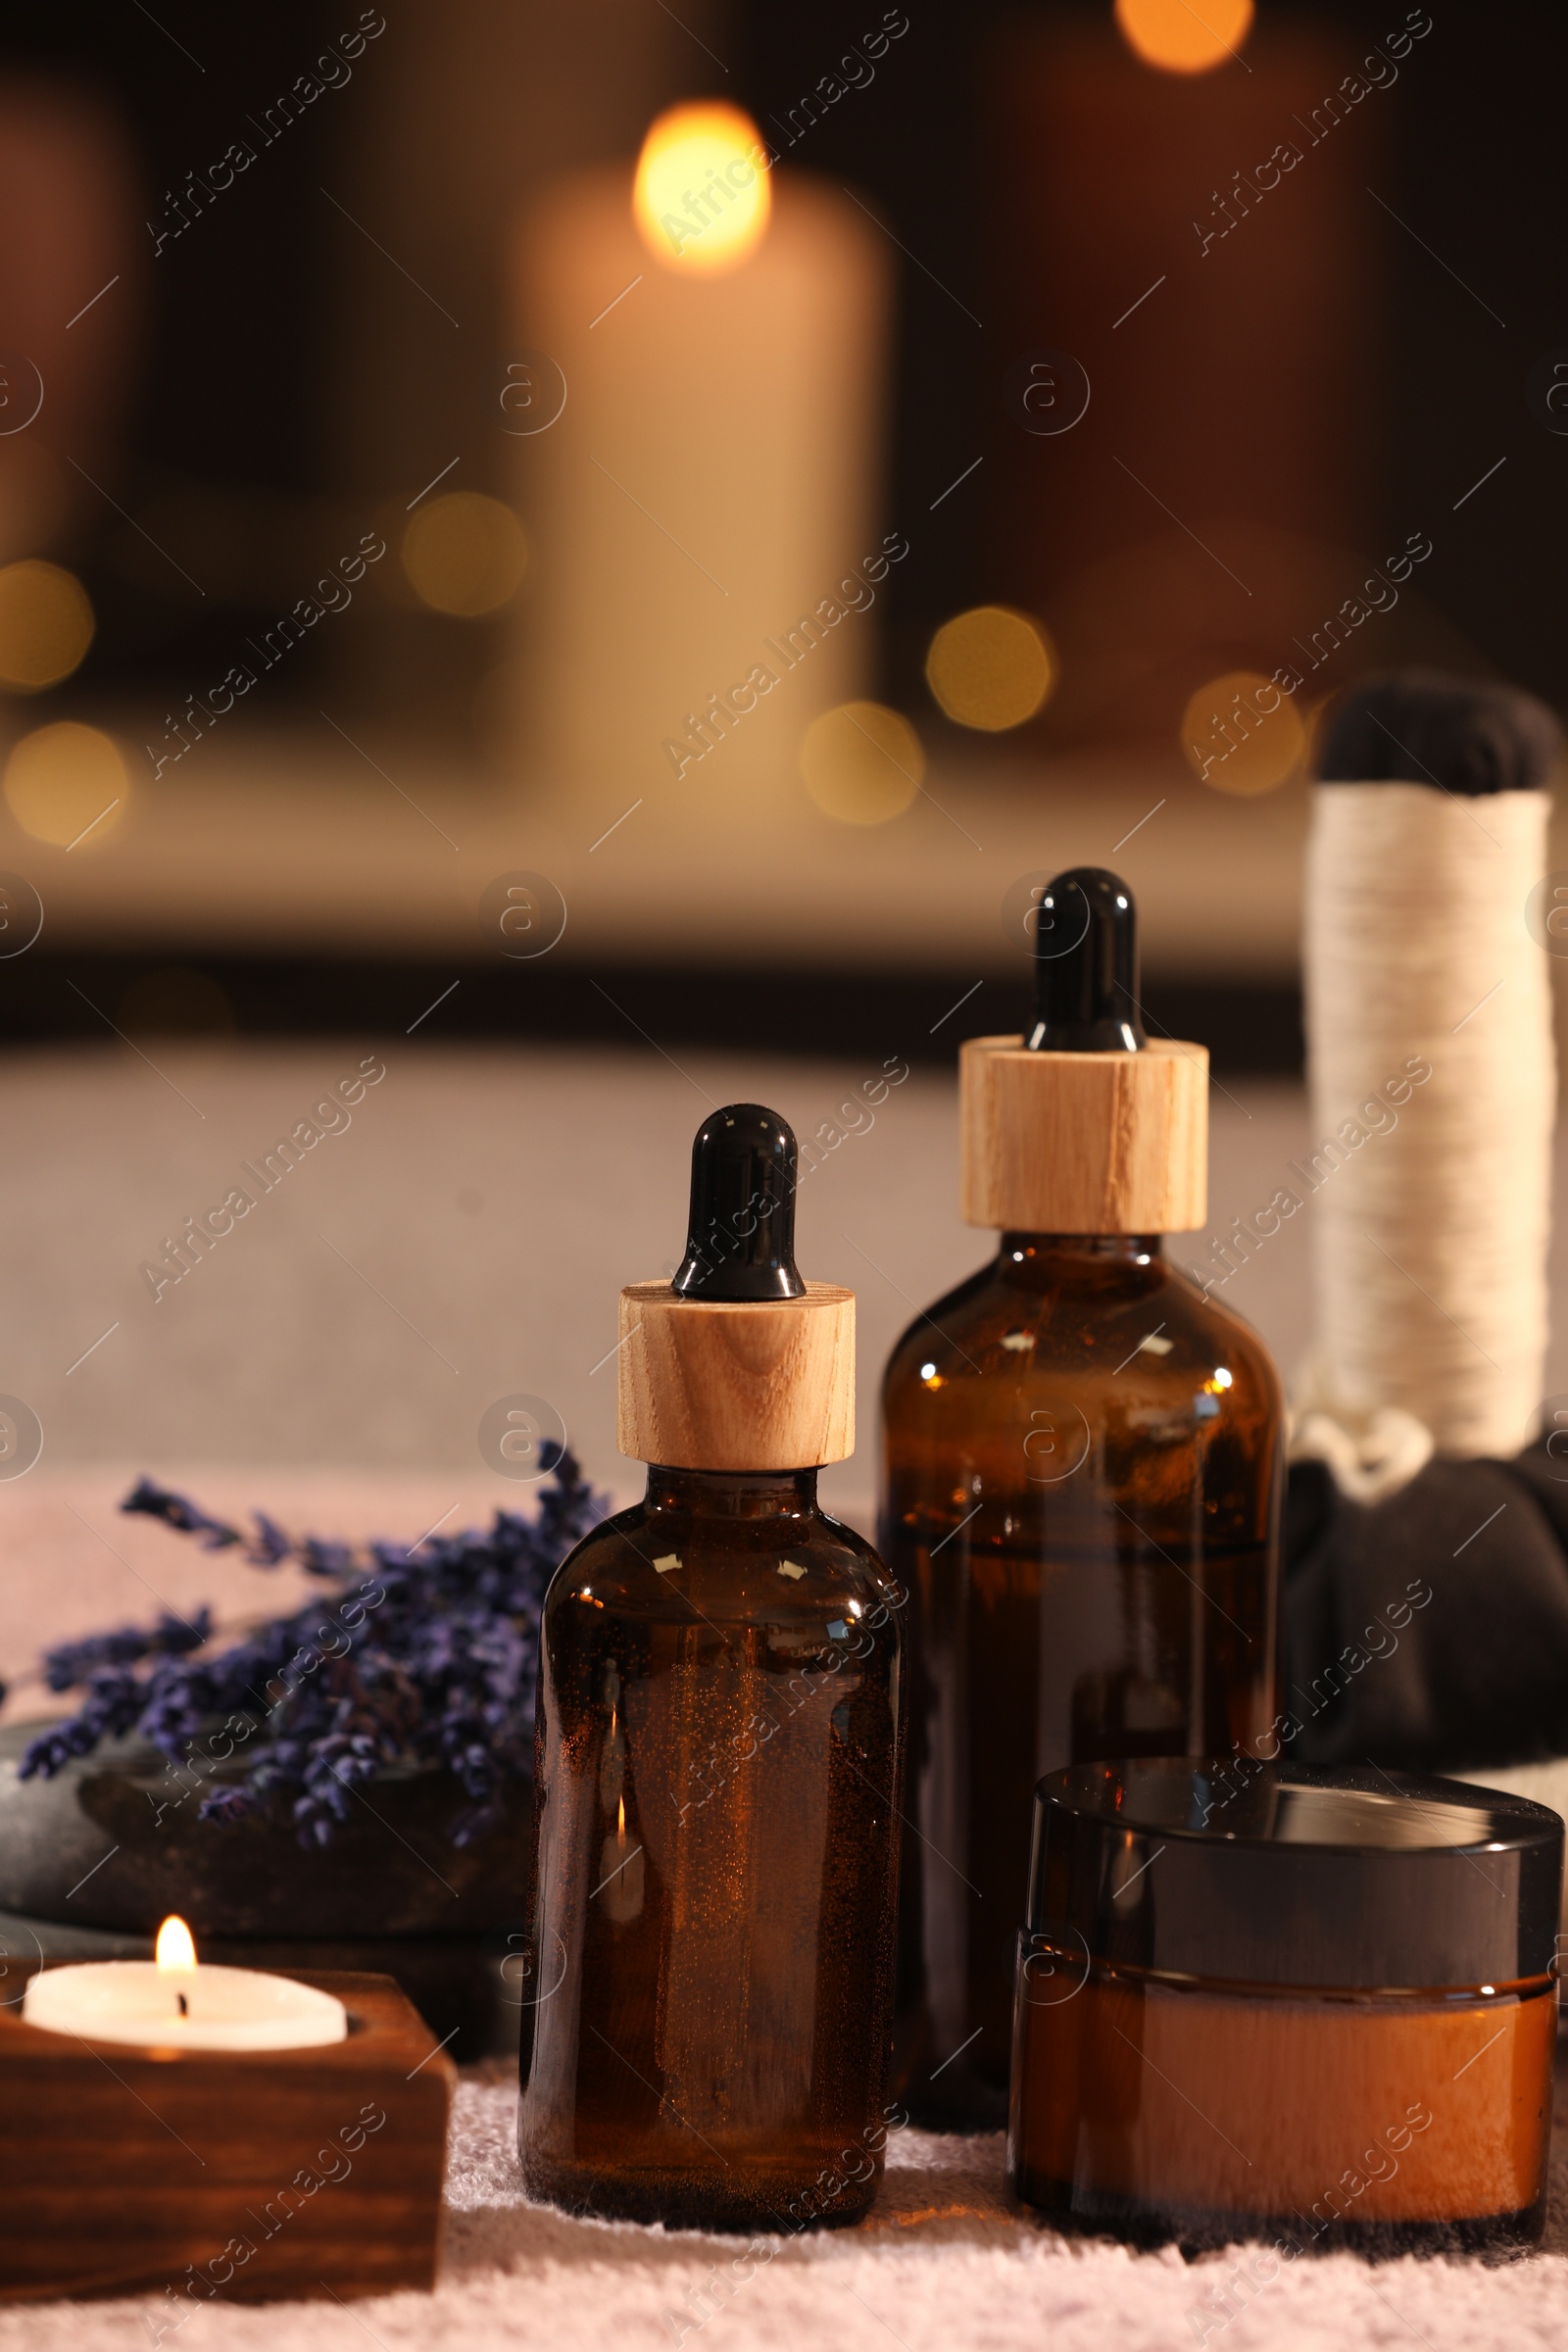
<point>207,2174</point>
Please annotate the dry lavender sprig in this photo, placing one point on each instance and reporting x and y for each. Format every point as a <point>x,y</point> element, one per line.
<point>424,1657</point>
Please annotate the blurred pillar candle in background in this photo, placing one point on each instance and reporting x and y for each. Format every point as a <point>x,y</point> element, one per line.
<point>713,481</point>
<point>1203,245</point>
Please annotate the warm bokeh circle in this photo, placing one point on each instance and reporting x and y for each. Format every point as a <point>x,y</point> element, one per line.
<point>991,668</point>
<point>861,763</point>
<point>1184,37</point>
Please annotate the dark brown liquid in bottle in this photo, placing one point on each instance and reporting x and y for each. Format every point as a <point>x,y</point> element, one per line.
<point>1082,1487</point>
<point>713,1904</point>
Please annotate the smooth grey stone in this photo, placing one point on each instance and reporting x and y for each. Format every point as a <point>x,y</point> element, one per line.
<point>112,1841</point>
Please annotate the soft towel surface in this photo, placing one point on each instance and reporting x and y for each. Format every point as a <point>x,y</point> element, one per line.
<point>941,2262</point>
<point>940,2265</point>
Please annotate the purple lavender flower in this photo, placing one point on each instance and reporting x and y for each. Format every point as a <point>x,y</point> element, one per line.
<point>159,1503</point>
<point>69,1664</point>
<point>267,1547</point>
<point>423,1658</point>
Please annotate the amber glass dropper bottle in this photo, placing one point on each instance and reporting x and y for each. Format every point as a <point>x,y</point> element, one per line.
<point>1081,1475</point>
<point>713,1902</point>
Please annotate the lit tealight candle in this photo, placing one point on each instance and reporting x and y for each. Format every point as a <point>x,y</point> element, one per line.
<point>173,2002</point>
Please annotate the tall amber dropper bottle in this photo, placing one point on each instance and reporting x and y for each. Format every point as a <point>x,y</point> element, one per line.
<point>1082,1479</point>
<point>713,1888</point>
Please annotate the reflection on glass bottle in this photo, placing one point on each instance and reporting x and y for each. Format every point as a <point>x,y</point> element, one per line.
<point>716,1767</point>
<point>1082,1476</point>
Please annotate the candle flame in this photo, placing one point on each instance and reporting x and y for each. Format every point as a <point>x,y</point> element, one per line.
<point>175,1948</point>
<point>702,196</point>
<point>621,1822</point>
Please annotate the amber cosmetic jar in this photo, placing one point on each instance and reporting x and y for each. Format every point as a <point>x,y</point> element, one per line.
<point>1259,2001</point>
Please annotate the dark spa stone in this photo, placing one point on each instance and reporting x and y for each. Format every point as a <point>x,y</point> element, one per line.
<point>1396,1648</point>
<point>90,1867</point>
<point>113,1841</point>
<point>1416,726</point>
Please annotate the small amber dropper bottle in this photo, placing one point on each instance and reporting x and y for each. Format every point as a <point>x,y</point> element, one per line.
<point>713,1902</point>
<point>1082,1478</point>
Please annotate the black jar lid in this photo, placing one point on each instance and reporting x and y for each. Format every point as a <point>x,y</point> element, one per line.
<point>1233,1870</point>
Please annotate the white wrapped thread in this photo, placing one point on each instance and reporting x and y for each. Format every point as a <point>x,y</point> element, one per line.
<point>1430,1237</point>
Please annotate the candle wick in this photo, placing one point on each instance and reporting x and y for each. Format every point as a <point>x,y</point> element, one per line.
<point>185,2005</point>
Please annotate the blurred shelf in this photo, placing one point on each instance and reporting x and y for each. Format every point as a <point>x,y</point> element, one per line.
<point>301,842</point>
<point>848,1011</point>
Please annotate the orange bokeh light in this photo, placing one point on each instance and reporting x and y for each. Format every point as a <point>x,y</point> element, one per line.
<point>1241,734</point>
<point>1184,37</point>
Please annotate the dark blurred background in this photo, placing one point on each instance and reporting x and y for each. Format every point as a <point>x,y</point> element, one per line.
<point>1288,382</point>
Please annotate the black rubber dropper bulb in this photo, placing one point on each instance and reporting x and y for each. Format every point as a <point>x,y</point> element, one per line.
<point>740,1235</point>
<point>1086,966</point>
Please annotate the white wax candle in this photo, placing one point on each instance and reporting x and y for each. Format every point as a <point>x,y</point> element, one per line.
<point>224,2008</point>
<point>713,475</point>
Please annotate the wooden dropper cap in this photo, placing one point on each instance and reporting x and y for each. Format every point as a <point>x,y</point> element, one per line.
<point>1086,1125</point>
<point>738,1364</point>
